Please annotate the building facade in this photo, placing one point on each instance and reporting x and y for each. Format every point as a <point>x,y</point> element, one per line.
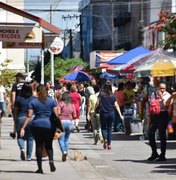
<point>16,55</point>
<point>116,24</point>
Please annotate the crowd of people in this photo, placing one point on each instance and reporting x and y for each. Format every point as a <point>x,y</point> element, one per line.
<point>101,104</point>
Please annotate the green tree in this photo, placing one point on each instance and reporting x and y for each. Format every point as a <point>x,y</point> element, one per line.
<point>62,67</point>
<point>7,75</point>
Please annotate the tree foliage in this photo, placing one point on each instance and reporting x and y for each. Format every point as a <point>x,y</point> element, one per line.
<point>62,67</point>
<point>167,24</point>
<point>7,75</point>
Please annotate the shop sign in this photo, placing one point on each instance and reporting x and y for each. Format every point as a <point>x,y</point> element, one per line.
<point>56,46</point>
<point>21,37</point>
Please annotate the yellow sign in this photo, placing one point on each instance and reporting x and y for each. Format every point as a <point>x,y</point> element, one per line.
<point>21,37</point>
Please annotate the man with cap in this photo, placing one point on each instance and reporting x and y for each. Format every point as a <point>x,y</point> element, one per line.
<point>16,91</point>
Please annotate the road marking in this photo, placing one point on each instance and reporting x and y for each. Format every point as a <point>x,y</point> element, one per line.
<point>101,166</point>
<point>101,153</point>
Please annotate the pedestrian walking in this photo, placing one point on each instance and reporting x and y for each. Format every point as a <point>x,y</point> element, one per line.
<point>67,114</point>
<point>94,116</point>
<point>76,100</point>
<point>20,110</point>
<point>107,103</point>
<point>159,121</point>
<point>43,129</point>
<point>16,91</point>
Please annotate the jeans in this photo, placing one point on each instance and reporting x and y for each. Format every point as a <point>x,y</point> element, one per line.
<point>106,120</point>
<point>63,140</point>
<point>159,122</point>
<point>3,108</point>
<point>27,137</point>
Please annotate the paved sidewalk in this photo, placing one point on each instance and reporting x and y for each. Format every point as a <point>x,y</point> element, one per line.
<point>12,168</point>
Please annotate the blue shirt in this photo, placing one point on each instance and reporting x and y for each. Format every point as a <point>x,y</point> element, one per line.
<point>107,103</point>
<point>22,104</point>
<point>42,111</point>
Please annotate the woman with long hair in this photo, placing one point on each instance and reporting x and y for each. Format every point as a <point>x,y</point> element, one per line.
<point>67,113</point>
<point>20,110</point>
<point>107,106</point>
<point>43,129</point>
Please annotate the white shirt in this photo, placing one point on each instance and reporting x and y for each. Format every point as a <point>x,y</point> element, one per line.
<point>2,92</point>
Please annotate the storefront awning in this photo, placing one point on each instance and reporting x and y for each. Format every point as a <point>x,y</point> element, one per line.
<point>41,22</point>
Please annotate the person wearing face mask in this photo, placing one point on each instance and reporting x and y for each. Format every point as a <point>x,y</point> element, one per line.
<point>159,121</point>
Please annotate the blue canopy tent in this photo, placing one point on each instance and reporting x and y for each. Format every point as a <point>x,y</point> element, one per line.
<point>126,57</point>
<point>107,76</point>
<point>78,76</point>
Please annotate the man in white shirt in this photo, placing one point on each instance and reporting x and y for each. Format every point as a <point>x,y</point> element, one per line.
<point>160,122</point>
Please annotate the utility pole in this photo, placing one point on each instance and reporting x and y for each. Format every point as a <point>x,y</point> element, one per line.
<point>71,44</point>
<point>81,37</point>
<point>112,25</point>
<point>70,31</point>
<point>141,25</point>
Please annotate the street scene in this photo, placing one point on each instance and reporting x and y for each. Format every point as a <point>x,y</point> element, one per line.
<point>88,89</point>
<point>127,160</point>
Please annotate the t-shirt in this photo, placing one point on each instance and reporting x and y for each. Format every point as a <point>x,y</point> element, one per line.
<point>2,92</point>
<point>17,87</point>
<point>107,103</point>
<point>129,94</point>
<point>42,111</point>
<point>93,99</point>
<point>67,111</point>
<point>22,104</point>
<point>120,96</point>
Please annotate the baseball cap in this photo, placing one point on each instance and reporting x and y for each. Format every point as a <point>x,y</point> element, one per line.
<point>19,75</point>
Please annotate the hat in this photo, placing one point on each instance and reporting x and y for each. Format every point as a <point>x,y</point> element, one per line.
<point>19,75</point>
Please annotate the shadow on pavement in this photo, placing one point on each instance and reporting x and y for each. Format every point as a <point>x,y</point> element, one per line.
<point>7,171</point>
<point>169,161</point>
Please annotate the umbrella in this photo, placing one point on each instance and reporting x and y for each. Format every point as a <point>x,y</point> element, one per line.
<point>107,76</point>
<point>157,66</point>
<point>78,76</point>
<point>126,57</point>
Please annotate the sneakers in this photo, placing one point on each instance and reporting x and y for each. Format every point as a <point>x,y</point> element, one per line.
<point>161,158</point>
<point>153,157</point>
<point>64,157</point>
<point>22,155</point>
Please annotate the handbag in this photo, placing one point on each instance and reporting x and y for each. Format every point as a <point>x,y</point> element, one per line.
<point>57,122</point>
<point>136,127</point>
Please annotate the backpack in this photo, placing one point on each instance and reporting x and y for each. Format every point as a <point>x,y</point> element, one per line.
<point>154,106</point>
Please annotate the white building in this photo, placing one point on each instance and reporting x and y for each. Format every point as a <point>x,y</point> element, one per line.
<point>16,55</point>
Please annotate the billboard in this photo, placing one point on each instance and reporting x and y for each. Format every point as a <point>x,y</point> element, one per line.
<point>21,37</point>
